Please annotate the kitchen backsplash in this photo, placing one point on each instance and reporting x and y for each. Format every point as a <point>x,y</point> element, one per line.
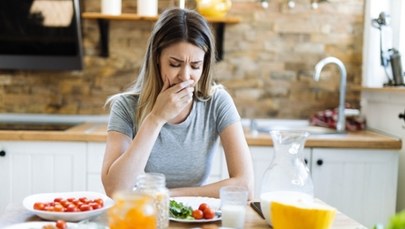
<point>269,59</point>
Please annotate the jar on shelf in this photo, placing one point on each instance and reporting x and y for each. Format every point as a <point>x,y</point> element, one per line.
<point>213,8</point>
<point>287,177</point>
<point>154,184</point>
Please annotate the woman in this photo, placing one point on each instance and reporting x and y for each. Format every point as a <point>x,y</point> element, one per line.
<point>172,120</point>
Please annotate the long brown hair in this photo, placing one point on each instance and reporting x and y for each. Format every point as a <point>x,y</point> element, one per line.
<point>174,25</point>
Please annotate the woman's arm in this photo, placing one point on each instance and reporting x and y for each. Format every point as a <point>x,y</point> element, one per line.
<point>239,163</point>
<point>125,158</point>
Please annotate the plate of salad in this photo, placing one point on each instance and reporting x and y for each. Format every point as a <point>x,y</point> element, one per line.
<point>192,209</point>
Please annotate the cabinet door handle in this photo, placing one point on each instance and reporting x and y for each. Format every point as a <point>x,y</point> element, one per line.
<point>2,153</point>
<point>319,162</point>
<point>402,116</point>
<point>306,161</point>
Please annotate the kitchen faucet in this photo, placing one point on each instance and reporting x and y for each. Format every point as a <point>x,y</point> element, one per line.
<point>341,123</point>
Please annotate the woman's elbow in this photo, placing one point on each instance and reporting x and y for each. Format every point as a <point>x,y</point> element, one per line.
<point>248,183</point>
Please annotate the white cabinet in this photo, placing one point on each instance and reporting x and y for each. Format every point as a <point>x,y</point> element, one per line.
<point>382,108</point>
<point>360,183</point>
<point>95,156</point>
<point>37,167</point>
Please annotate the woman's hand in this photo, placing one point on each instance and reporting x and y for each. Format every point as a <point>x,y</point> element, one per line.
<point>173,99</point>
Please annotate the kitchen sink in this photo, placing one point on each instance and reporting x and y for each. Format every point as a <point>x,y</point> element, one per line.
<point>265,126</point>
<point>36,126</point>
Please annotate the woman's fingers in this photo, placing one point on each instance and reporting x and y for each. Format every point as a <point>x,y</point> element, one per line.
<point>166,84</point>
<point>173,99</point>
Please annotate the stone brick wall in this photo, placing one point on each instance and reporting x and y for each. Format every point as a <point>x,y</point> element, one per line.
<point>269,60</point>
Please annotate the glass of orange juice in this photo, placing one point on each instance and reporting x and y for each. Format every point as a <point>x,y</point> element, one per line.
<point>132,210</point>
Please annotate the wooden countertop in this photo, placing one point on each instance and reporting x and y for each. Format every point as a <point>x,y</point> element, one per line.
<point>97,132</point>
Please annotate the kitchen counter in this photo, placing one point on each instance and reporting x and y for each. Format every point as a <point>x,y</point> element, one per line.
<point>91,131</point>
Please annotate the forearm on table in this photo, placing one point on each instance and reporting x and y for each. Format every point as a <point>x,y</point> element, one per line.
<point>122,172</point>
<point>212,190</point>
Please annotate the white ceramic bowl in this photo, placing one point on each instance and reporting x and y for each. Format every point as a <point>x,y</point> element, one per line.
<point>29,201</point>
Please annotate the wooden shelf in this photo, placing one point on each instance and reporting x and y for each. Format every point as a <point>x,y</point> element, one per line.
<point>399,89</point>
<point>135,17</point>
<point>104,19</point>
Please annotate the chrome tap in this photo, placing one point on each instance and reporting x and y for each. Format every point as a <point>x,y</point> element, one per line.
<point>341,123</point>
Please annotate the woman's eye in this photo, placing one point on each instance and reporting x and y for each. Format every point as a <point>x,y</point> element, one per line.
<point>174,65</point>
<point>196,67</point>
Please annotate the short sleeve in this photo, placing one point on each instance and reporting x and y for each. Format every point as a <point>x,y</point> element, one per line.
<point>122,115</point>
<point>226,112</point>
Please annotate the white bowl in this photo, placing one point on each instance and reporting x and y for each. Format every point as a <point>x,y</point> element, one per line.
<point>29,201</point>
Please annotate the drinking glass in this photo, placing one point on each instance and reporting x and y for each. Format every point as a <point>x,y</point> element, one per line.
<point>233,206</point>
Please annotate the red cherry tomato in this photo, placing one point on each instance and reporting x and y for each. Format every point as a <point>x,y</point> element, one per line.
<point>84,200</point>
<point>39,206</point>
<point>70,208</point>
<point>94,205</point>
<point>197,214</point>
<point>60,224</point>
<point>85,207</point>
<point>49,208</point>
<point>99,201</point>
<point>58,208</point>
<point>58,199</point>
<point>203,206</point>
<point>209,213</point>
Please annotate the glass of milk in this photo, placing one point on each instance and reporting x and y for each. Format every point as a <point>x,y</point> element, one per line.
<point>233,206</point>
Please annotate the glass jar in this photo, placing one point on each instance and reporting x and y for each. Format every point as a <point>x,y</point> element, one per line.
<point>132,210</point>
<point>154,184</point>
<point>287,177</point>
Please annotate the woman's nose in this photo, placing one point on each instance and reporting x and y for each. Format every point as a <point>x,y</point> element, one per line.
<point>185,73</point>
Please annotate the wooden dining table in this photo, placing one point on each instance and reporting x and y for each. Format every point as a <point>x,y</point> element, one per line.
<point>16,213</point>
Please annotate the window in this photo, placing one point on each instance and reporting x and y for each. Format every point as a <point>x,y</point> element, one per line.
<point>374,74</point>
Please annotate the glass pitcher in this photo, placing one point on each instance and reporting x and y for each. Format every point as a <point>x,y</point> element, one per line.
<point>287,177</point>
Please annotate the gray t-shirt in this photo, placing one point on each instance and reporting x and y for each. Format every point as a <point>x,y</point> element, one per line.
<point>184,151</point>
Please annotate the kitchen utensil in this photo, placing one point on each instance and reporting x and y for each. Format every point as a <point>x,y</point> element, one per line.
<point>396,67</point>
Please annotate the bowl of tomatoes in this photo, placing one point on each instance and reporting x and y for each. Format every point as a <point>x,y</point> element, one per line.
<point>68,206</point>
